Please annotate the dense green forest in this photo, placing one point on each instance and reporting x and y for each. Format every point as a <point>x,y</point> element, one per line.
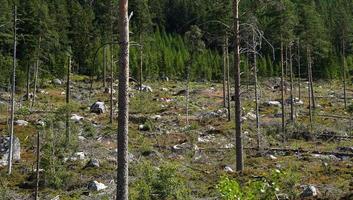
<point>51,30</point>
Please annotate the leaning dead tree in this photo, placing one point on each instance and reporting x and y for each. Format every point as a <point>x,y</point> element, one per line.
<point>123,103</point>
<point>13,89</point>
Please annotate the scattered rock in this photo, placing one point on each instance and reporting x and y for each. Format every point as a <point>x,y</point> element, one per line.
<point>57,82</point>
<point>272,157</point>
<point>94,163</point>
<point>143,127</point>
<point>98,107</point>
<point>228,169</point>
<point>213,114</point>
<point>76,118</point>
<point>77,156</point>
<point>21,122</point>
<point>96,186</point>
<point>309,191</point>
<point>156,117</point>
<point>144,88</point>
<point>326,157</point>
<point>273,103</point>
<point>4,150</point>
<point>251,116</point>
<point>107,90</point>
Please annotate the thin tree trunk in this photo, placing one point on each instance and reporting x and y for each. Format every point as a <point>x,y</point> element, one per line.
<point>228,81</point>
<point>123,106</point>
<point>36,74</point>
<point>312,82</point>
<point>104,67</point>
<point>291,85</point>
<point>37,167</point>
<point>282,92</point>
<point>187,89</point>
<point>68,100</point>
<point>256,94</point>
<point>309,91</point>
<point>13,92</point>
<point>111,84</point>
<point>238,135</point>
<point>141,62</point>
<point>224,73</point>
<point>28,82</point>
<point>299,73</point>
<point>344,74</point>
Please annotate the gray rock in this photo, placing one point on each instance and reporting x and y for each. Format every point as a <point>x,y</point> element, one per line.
<point>273,103</point>
<point>4,150</point>
<point>96,186</point>
<point>98,107</point>
<point>21,122</point>
<point>57,82</point>
<point>144,88</point>
<point>76,118</point>
<point>309,191</point>
<point>94,163</point>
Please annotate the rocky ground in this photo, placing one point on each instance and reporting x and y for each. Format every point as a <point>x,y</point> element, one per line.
<point>316,164</point>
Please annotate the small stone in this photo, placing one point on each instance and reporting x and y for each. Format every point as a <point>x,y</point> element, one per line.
<point>272,157</point>
<point>57,82</point>
<point>98,107</point>
<point>309,191</point>
<point>94,163</point>
<point>76,118</point>
<point>228,169</point>
<point>96,186</point>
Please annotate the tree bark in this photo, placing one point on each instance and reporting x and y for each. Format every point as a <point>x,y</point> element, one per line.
<point>141,62</point>
<point>312,82</point>
<point>238,134</point>
<point>13,90</point>
<point>123,106</point>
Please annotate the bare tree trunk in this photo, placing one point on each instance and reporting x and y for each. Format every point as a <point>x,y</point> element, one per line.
<point>291,85</point>
<point>312,82</point>
<point>111,83</point>
<point>36,74</point>
<point>299,73</point>
<point>228,81</point>
<point>309,91</point>
<point>344,74</point>
<point>123,106</point>
<point>187,89</point>
<point>248,69</point>
<point>28,82</point>
<point>13,92</point>
<point>104,67</point>
<point>238,134</point>
<point>256,94</point>
<point>282,93</point>
<point>224,73</point>
<point>141,63</point>
<point>68,101</point>
<point>37,167</point>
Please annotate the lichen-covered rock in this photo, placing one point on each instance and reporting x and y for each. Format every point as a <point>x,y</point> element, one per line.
<point>5,148</point>
<point>98,107</point>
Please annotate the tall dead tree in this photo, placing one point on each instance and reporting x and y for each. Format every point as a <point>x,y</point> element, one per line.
<point>123,99</point>
<point>344,76</point>
<point>228,81</point>
<point>36,71</point>
<point>28,80</point>
<point>141,63</point>
<point>299,72</point>
<point>310,89</point>
<point>36,196</point>
<point>291,84</point>
<point>224,73</point>
<point>68,100</point>
<point>104,67</point>
<point>13,89</point>
<point>256,89</point>
<point>238,129</point>
<point>111,115</point>
<point>282,92</point>
<point>311,81</point>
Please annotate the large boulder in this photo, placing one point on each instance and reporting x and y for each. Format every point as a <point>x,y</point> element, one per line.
<point>5,148</point>
<point>98,107</point>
